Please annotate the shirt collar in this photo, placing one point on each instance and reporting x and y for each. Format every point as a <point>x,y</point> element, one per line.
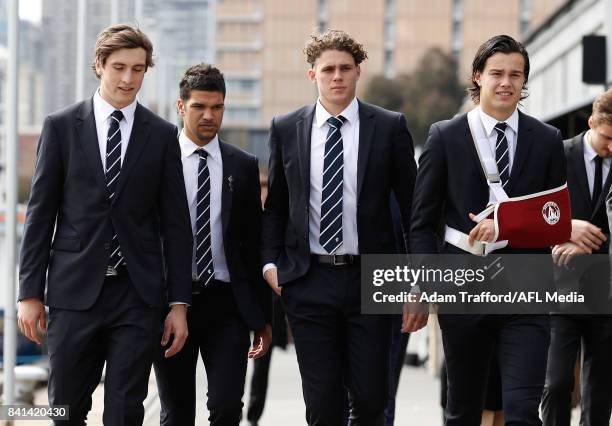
<point>351,113</point>
<point>489,122</point>
<point>105,109</point>
<point>588,149</point>
<point>189,147</point>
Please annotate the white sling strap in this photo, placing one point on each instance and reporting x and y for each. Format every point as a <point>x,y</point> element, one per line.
<point>489,167</point>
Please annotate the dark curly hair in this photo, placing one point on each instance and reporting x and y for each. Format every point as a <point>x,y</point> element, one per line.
<point>201,77</point>
<point>334,40</point>
<point>498,44</point>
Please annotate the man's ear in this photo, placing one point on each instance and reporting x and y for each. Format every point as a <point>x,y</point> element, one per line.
<point>312,75</point>
<point>181,107</point>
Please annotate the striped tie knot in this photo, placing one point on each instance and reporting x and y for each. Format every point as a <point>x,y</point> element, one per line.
<point>501,127</point>
<point>336,122</point>
<point>202,153</point>
<point>117,115</point>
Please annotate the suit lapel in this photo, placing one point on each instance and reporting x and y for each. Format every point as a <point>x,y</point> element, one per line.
<point>304,130</point>
<point>88,137</point>
<point>524,141</point>
<point>227,185</point>
<point>576,157</point>
<point>367,125</point>
<point>138,140</point>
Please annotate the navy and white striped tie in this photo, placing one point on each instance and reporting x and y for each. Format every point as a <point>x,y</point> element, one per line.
<point>502,157</point>
<point>204,260</point>
<point>113,167</point>
<point>330,236</point>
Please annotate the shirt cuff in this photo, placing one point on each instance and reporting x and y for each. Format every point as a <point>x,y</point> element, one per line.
<point>179,303</point>
<point>268,266</point>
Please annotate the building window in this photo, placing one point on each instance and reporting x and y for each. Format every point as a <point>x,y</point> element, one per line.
<point>242,114</point>
<point>457,28</point>
<point>389,68</point>
<point>323,16</point>
<point>525,17</point>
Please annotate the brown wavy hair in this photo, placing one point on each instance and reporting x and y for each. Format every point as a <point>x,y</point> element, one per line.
<point>121,36</point>
<point>333,40</point>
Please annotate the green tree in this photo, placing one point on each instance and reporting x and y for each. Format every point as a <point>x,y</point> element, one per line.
<point>432,92</point>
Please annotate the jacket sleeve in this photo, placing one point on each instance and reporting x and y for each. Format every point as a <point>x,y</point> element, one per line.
<point>41,214</point>
<point>429,193</point>
<point>404,174</point>
<point>276,208</point>
<point>253,242</point>
<point>175,224</point>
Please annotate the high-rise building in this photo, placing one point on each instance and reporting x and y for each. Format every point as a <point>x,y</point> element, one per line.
<point>181,32</point>
<point>259,42</point>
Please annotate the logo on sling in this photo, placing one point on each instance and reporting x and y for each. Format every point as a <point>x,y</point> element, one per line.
<point>551,212</point>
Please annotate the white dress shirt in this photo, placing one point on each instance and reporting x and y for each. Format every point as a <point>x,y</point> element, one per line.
<point>350,149</point>
<point>191,160</point>
<point>483,126</point>
<point>589,163</point>
<point>102,113</point>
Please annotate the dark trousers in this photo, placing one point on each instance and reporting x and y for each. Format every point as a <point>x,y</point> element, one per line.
<point>397,354</point>
<point>336,346</point>
<point>469,343</point>
<point>118,329</point>
<point>218,333</point>
<point>568,334</point>
<point>259,386</point>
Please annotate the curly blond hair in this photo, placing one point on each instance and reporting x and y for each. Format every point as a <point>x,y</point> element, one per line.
<point>334,40</point>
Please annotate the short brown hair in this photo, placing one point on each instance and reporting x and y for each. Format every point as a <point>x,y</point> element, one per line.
<point>334,40</point>
<point>602,109</point>
<point>121,36</point>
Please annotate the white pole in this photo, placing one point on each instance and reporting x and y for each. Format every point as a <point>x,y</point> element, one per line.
<point>10,240</point>
<point>80,50</point>
<point>138,12</point>
<point>114,12</point>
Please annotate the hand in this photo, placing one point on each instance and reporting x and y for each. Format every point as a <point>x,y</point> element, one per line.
<point>175,325</point>
<point>415,316</point>
<point>563,253</point>
<point>586,235</point>
<point>271,278</point>
<point>261,342</point>
<point>32,319</point>
<point>484,231</point>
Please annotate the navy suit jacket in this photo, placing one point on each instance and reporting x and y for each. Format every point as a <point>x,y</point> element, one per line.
<point>67,233</point>
<point>578,186</point>
<point>451,184</point>
<point>385,163</point>
<point>241,221</point>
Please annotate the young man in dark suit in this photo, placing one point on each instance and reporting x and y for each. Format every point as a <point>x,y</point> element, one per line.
<point>230,297</point>
<point>589,156</point>
<point>451,188</point>
<point>107,189</point>
<point>332,168</point>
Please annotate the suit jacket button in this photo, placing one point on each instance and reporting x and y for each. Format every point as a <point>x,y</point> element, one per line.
<point>305,236</point>
<point>106,246</point>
